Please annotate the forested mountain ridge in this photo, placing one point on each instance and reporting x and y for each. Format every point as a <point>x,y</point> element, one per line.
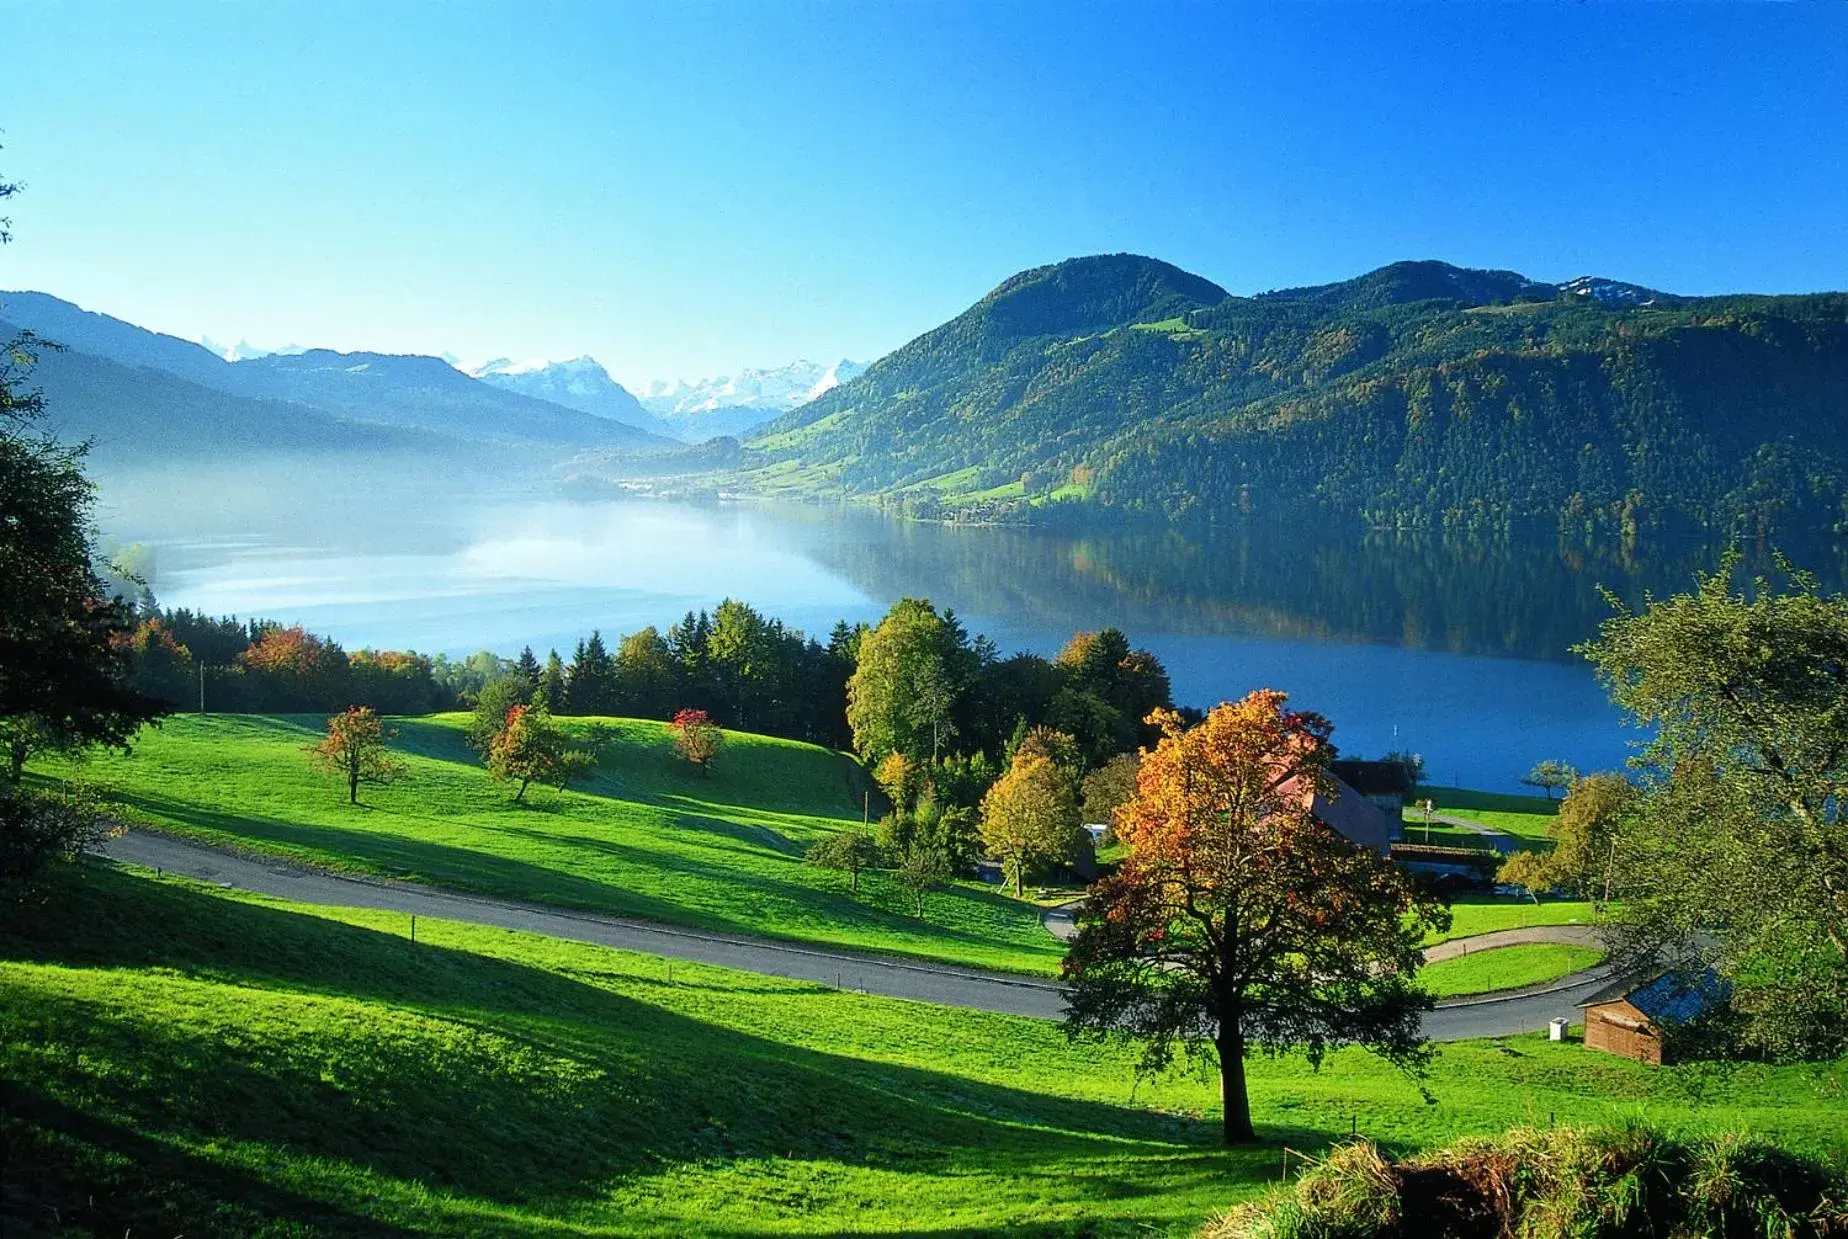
<point>1418,395</point>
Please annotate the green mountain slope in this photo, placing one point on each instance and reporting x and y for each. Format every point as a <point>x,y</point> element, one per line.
<point>1418,395</point>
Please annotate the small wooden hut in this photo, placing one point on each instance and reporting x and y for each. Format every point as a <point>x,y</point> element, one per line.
<point>1629,1020</point>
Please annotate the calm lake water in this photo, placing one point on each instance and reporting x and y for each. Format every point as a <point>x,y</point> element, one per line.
<point>1451,649</point>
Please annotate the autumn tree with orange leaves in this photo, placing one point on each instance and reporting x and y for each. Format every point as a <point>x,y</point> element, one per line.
<point>1239,921</point>
<point>354,748</point>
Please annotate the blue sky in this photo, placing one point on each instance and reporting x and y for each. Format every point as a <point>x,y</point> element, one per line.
<point>685,189</point>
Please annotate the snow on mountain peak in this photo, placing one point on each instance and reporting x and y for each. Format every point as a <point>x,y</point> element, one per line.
<point>244,350</point>
<point>776,389</point>
<point>1610,292</point>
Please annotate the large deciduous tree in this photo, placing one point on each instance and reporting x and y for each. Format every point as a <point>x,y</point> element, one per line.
<point>1737,855</point>
<point>1030,816</point>
<point>1588,832</point>
<point>354,748</point>
<point>910,673</point>
<point>1237,920</point>
<point>1550,776</point>
<point>646,675</point>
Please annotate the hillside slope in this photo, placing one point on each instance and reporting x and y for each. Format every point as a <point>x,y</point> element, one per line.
<point>175,1058</point>
<point>1419,395</point>
<point>646,837</point>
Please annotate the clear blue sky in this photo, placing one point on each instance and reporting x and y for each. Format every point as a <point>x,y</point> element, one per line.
<point>682,189</point>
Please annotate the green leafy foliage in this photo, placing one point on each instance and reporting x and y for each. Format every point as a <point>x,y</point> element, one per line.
<point>1738,853</point>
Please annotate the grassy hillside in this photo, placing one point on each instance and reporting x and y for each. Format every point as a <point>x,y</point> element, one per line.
<point>647,837</point>
<point>177,1058</point>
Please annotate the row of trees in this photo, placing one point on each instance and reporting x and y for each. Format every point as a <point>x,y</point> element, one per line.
<point>522,745</point>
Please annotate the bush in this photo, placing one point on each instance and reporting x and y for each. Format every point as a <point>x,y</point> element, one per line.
<point>1568,1183</point>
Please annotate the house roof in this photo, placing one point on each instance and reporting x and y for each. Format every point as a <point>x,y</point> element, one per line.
<point>1373,778</point>
<point>1354,817</point>
<point>1675,997</point>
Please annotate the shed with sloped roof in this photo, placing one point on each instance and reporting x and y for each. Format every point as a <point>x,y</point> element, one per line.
<point>1629,1020</point>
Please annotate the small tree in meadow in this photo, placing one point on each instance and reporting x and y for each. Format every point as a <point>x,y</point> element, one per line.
<point>849,852</point>
<point>1533,872</point>
<point>1551,776</point>
<point>354,748</point>
<point>531,748</point>
<point>922,870</point>
<point>697,738</point>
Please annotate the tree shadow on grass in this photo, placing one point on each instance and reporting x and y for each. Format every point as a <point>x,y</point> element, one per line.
<point>408,857</point>
<point>494,874</point>
<point>532,1088</point>
<point>848,910</point>
<point>71,1170</point>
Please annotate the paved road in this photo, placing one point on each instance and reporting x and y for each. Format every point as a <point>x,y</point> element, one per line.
<point>872,974</point>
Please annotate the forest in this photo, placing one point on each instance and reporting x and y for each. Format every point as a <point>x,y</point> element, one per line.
<point>1421,396</point>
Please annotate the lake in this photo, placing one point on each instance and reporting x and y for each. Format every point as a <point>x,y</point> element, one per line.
<point>1454,649</point>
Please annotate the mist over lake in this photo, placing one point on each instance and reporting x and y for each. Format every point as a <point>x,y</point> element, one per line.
<point>1459,650</point>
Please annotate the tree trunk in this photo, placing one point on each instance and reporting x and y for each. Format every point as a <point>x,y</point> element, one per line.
<point>16,761</point>
<point>519,797</point>
<point>1020,881</point>
<point>352,786</point>
<point>1235,1101</point>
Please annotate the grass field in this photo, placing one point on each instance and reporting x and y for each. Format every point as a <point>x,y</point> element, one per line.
<point>177,1058</point>
<point>1484,914</point>
<point>1506,967</point>
<point>1525,818</point>
<point>648,837</point>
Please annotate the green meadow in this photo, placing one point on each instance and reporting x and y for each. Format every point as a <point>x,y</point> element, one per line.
<point>178,1058</point>
<point>1523,818</point>
<point>1506,967</point>
<point>1486,914</point>
<point>648,836</point>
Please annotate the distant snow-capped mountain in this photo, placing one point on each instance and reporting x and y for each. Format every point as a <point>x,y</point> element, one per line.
<point>732,404</point>
<point>782,388</point>
<point>244,350</point>
<point>580,383</point>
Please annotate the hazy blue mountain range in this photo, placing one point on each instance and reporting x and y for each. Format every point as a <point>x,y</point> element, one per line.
<point>136,415</point>
<point>1417,395</point>
<point>376,389</point>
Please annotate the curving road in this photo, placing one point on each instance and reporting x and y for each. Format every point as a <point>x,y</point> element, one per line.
<point>866,973</point>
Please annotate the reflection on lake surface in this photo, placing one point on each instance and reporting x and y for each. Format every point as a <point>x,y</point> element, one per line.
<point>1455,649</point>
